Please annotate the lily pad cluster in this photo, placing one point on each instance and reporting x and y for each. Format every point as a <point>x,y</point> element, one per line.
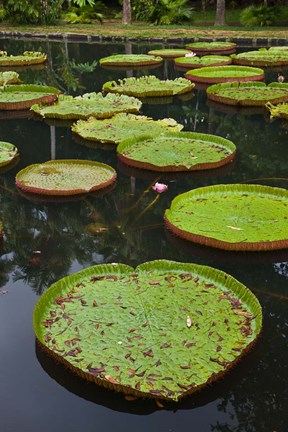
<point>130,60</point>
<point>149,86</point>
<point>121,127</point>
<point>204,61</point>
<point>23,96</point>
<point>263,57</point>
<point>215,74</point>
<point>65,177</point>
<point>248,93</point>
<point>212,47</point>
<point>26,59</point>
<point>232,217</point>
<point>8,153</point>
<point>9,77</point>
<point>183,151</point>
<point>90,104</point>
<point>163,330</point>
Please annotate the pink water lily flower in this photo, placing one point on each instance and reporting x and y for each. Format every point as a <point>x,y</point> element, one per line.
<point>160,187</point>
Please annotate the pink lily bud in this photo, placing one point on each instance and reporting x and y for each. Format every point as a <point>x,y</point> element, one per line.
<point>280,78</point>
<point>160,187</point>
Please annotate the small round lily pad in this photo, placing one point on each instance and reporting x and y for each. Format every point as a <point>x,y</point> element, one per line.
<point>204,61</point>
<point>263,57</point>
<point>22,97</point>
<point>163,330</point>
<point>25,59</point>
<point>90,104</point>
<point>122,127</point>
<point>216,74</point>
<point>169,52</point>
<point>232,217</point>
<point>9,77</point>
<point>280,110</point>
<point>65,177</point>
<point>182,151</point>
<point>149,86</point>
<point>8,153</point>
<point>130,60</point>
<point>248,93</point>
<point>212,47</point>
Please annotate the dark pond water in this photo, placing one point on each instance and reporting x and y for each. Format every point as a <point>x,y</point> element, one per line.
<point>46,241</point>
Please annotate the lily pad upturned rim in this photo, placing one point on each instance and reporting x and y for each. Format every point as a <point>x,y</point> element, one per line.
<point>261,58</point>
<point>27,58</point>
<point>50,95</point>
<point>9,77</point>
<point>214,93</point>
<point>197,62</point>
<point>212,47</point>
<point>55,295</point>
<point>130,60</point>
<point>213,139</point>
<point>243,73</point>
<point>209,191</point>
<point>169,52</point>
<point>11,149</point>
<point>34,189</point>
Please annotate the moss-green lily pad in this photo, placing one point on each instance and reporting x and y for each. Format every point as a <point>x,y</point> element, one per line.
<point>149,86</point>
<point>217,74</point>
<point>90,104</point>
<point>163,330</point>
<point>22,97</point>
<point>263,57</point>
<point>130,60</point>
<point>8,153</point>
<point>280,110</point>
<point>177,151</point>
<point>65,177</point>
<point>25,59</point>
<point>122,127</point>
<point>248,93</point>
<point>169,52</point>
<point>212,47</point>
<point>204,61</point>
<point>232,217</point>
<point>9,77</point>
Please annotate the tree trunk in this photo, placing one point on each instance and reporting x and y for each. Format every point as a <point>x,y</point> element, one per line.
<point>126,19</point>
<point>220,13</point>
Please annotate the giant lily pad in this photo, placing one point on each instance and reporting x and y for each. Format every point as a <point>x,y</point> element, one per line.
<point>212,47</point>
<point>232,217</point>
<point>280,110</point>
<point>90,104</point>
<point>21,97</point>
<point>169,52</point>
<point>130,60</point>
<point>163,330</point>
<point>65,177</point>
<point>8,153</point>
<point>26,59</point>
<point>9,77</point>
<point>149,86</point>
<point>248,93</point>
<point>263,57</point>
<point>217,74</point>
<point>205,61</point>
<point>122,127</point>
<point>182,151</point>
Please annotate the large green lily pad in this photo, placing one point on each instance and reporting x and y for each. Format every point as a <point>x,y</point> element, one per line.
<point>280,110</point>
<point>130,60</point>
<point>182,151</point>
<point>22,97</point>
<point>263,57</point>
<point>212,47</point>
<point>8,153</point>
<point>9,77</point>
<point>90,104</point>
<point>122,127</point>
<point>169,52</point>
<point>204,61</point>
<point>163,330</point>
<point>149,86</point>
<point>248,93</point>
<point>65,177</point>
<point>217,74</point>
<point>25,59</point>
<point>232,217</point>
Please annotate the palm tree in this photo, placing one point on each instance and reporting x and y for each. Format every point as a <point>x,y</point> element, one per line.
<point>220,13</point>
<point>126,12</point>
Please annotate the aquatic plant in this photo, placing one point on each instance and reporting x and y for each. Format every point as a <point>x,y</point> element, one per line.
<point>263,57</point>
<point>8,153</point>
<point>9,77</point>
<point>23,96</point>
<point>26,59</point>
<point>212,47</point>
<point>117,326</point>
<point>130,60</point>
<point>216,74</point>
<point>169,52</point>
<point>280,110</point>
<point>204,61</point>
